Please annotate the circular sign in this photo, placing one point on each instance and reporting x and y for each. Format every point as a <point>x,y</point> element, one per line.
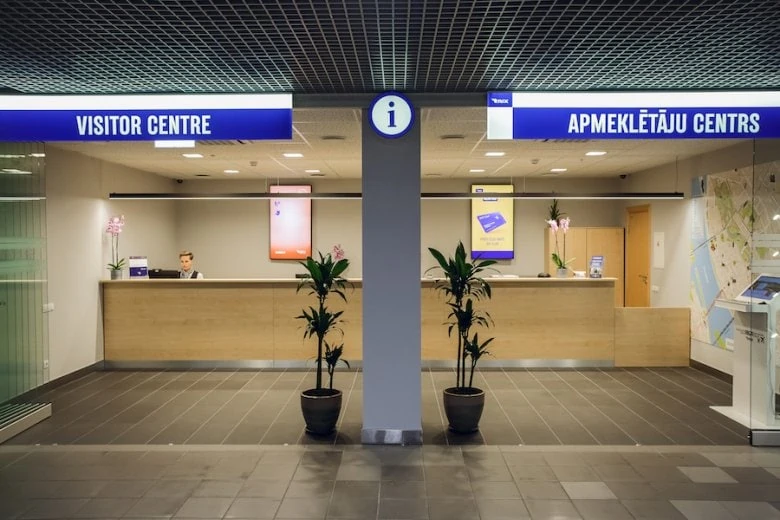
<point>391,114</point>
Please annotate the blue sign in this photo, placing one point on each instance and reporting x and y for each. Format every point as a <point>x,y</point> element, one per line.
<point>391,115</point>
<point>145,118</point>
<point>686,115</point>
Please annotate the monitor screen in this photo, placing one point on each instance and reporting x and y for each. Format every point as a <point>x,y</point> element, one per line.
<point>763,288</point>
<point>163,273</point>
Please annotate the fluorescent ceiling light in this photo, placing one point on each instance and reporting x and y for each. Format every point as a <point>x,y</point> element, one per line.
<point>311,171</point>
<point>293,155</point>
<point>192,155</point>
<point>596,153</point>
<point>38,154</point>
<point>231,172</point>
<point>12,156</point>
<point>476,170</point>
<point>14,171</point>
<point>18,199</point>
<point>495,154</point>
<point>175,143</point>
<point>558,170</point>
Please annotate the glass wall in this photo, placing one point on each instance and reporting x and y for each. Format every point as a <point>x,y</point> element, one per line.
<point>23,288</point>
<point>762,329</point>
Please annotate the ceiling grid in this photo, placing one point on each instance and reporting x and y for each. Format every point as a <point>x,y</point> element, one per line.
<point>362,46</point>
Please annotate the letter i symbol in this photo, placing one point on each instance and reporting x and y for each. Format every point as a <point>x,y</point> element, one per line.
<point>391,115</point>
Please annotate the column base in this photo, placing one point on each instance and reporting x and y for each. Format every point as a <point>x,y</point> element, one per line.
<point>385,436</point>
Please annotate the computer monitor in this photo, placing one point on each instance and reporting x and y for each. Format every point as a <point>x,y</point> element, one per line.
<point>163,273</point>
<point>763,289</point>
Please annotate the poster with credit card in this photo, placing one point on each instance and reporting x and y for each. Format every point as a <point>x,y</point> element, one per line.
<point>492,223</point>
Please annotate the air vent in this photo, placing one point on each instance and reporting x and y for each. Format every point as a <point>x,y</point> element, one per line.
<point>316,175</point>
<point>333,138</point>
<point>202,175</point>
<point>432,175</point>
<point>452,137</point>
<point>225,142</point>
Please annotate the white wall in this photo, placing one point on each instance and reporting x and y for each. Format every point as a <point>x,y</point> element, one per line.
<point>77,210</point>
<point>674,219</point>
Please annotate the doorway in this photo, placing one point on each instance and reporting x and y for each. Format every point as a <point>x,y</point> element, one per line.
<point>638,256</point>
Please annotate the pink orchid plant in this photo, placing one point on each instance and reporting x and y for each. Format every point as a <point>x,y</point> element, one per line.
<point>114,228</point>
<point>559,223</point>
<point>338,252</point>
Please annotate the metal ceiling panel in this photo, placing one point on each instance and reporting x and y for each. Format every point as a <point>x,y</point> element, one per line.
<point>353,46</point>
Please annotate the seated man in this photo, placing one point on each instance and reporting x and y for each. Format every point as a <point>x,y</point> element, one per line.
<point>187,271</point>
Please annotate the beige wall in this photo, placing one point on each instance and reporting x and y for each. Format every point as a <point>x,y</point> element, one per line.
<point>77,210</point>
<point>230,238</point>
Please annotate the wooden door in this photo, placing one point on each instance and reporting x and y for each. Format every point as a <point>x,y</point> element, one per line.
<point>638,256</point>
<point>609,243</point>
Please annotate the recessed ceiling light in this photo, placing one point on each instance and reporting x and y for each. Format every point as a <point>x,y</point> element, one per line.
<point>495,154</point>
<point>293,155</point>
<point>231,172</point>
<point>38,154</point>
<point>595,153</point>
<point>558,170</point>
<point>477,170</point>
<point>192,155</point>
<point>311,171</point>
<point>175,143</point>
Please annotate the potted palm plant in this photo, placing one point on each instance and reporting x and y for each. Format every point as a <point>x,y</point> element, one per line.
<point>321,406</point>
<point>462,286</point>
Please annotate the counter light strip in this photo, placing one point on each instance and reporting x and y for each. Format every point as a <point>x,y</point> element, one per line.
<point>528,195</point>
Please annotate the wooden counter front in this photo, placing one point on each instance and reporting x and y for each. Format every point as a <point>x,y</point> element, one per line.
<point>212,320</point>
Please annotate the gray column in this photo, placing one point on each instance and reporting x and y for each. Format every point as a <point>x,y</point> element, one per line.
<point>391,287</point>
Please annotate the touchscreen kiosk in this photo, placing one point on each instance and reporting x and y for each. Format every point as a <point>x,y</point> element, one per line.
<point>763,289</point>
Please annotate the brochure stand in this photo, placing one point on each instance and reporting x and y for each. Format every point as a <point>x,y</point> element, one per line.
<point>754,373</point>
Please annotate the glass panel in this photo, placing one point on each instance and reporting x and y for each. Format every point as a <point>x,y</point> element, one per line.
<point>765,268</point>
<point>23,288</point>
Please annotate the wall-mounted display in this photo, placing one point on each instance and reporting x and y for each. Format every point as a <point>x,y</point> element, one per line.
<point>492,223</point>
<point>290,224</point>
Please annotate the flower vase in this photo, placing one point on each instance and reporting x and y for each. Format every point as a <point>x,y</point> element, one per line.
<point>116,274</point>
<point>562,272</point>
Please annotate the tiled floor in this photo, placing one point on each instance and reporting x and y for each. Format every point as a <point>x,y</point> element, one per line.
<point>665,406</point>
<point>366,483</point>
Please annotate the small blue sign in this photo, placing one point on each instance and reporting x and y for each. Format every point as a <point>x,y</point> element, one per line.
<point>391,115</point>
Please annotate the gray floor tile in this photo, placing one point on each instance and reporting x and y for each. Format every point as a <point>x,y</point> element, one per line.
<point>653,510</point>
<point>602,510</point>
<point>246,508</point>
<point>552,510</point>
<point>452,509</point>
<point>588,490</point>
<point>502,509</point>
<point>197,507</point>
<point>303,508</point>
<point>403,508</point>
<point>707,475</point>
<point>402,489</point>
<point>53,508</point>
<point>494,490</point>
<point>105,508</point>
<point>147,507</point>
<point>358,508</point>
<point>702,510</point>
<point>310,489</point>
<point>752,510</point>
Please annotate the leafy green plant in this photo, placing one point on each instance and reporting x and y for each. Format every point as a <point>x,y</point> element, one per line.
<point>323,278</point>
<point>462,285</point>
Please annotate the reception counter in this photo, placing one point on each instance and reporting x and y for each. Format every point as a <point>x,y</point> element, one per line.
<point>537,322</point>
